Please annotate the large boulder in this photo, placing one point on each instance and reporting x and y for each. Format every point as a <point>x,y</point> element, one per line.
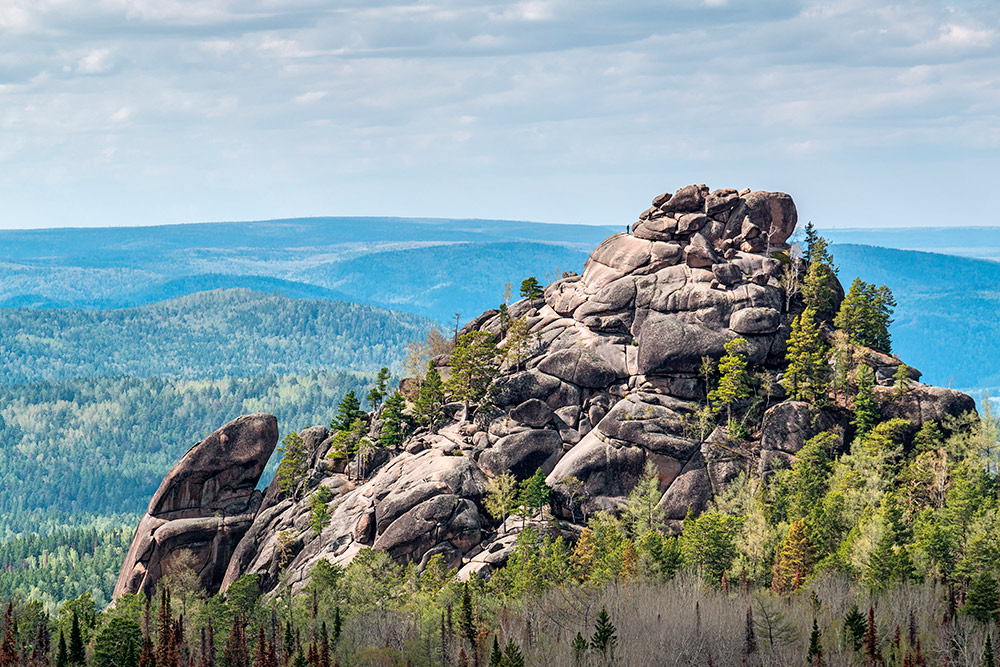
<point>523,453</point>
<point>921,403</point>
<point>579,366</point>
<point>202,508</point>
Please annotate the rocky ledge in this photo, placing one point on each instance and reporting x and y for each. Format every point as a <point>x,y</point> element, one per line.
<point>612,384</point>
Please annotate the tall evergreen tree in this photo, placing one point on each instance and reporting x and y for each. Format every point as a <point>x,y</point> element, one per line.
<point>531,288</point>
<point>810,241</point>
<point>378,392</point>
<point>815,654</point>
<point>982,602</point>
<point>989,659</point>
<point>605,636</point>
<point>77,651</point>
<point>734,379</point>
<point>855,627</point>
<point>348,410</point>
<point>866,314</point>
<point>8,638</point>
<point>818,289</point>
<point>428,408</point>
<point>473,365</point>
<point>866,412</point>
<point>793,561</point>
<point>496,656</point>
<point>806,376</point>
<point>467,622</point>
<point>393,429</point>
<point>294,463</point>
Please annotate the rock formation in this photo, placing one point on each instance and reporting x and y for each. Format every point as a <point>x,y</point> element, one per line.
<point>203,507</point>
<point>614,383</point>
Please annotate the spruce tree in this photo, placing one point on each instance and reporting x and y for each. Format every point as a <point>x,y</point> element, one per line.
<point>579,646</point>
<point>496,657</point>
<point>734,379</point>
<point>512,656</point>
<point>605,636</point>
<point>989,660</point>
<point>815,654</point>
<point>810,241</point>
<point>338,625</point>
<point>855,627</point>
<point>428,408</point>
<point>8,638</point>
<point>467,622</point>
<point>793,561</point>
<point>77,651</point>
<point>806,376</point>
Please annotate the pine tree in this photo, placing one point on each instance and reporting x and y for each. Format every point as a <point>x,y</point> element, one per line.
<point>260,657</point>
<point>901,381</point>
<point>62,655</point>
<point>338,625</point>
<point>815,654</point>
<point>473,365</point>
<point>77,651</point>
<point>605,636</point>
<point>866,412</point>
<point>288,645</point>
<point>294,463</point>
<point>989,660</point>
<point>642,506</point>
<point>236,654</point>
<point>496,657</point>
<point>734,379</point>
<point>531,289</point>
<point>535,492</point>
<point>866,314</point>
<point>810,241</point>
<point>821,276</point>
<point>428,408</point>
<point>378,392</point>
<point>393,430</point>
<point>806,376</point>
<point>519,343</point>
<point>348,410</point>
<point>40,650</point>
<point>501,495</point>
<point>855,627</point>
<point>324,647</point>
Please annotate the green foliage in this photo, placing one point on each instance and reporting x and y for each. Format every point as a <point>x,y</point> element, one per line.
<point>605,636</point>
<point>806,376</point>
<point>855,627</point>
<point>319,509</point>
<point>395,422</point>
<point>379,391</point>
<point>348,410</point>
<point>118,644</point>
<point>734,379</point>
<point>641,508</point>
<point>866,314</point>
<point>428,408</point>
<point>818,289</point>
<point>294,463</point>
<point>531,289</point>
<point>709,543</point>
<point>982,602</point>
<point>473,365</point>
<point>501,495</point>
<point>535,492</point>
<point>519,343</point>
<point>866,412</point>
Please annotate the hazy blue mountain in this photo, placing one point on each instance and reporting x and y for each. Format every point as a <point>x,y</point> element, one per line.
<point>978,242</point>
<point>369,260</point>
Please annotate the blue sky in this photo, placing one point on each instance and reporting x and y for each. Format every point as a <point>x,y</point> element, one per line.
<point>121,112</point>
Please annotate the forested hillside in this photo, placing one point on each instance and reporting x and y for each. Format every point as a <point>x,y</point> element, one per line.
<point>236,333</point>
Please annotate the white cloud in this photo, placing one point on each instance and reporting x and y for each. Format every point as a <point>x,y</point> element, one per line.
<point>310,97</point>
<point>95,62</point>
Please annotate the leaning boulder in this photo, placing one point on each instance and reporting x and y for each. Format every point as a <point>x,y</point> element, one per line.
<point>203,507</point>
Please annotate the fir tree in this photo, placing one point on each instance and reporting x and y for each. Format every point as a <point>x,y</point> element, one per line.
<point>496,657</point>
<point>467,622</point>
<point>806,376</point>
<point>512,656</point>
<point>901,381</point>
<point>428,408</point>
<point>393,430</point>
<point>348,410</point>
<point>855,627</point>
<point>815,654</point>
<point>8,644</point>
<point>605,636</point>
<point>378,392</point>
<point>579,646</point>
<point>734,380</point>
<point>866,314</point>
<point>989,660</point>
<point>338,625</point>
<point>77,652</point>
<point>535,492</point>
<point>810,241</point>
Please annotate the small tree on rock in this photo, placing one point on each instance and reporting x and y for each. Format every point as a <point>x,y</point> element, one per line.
<point>394,421</point>
<point>348,410</point>
<point>734,379</point>
<point>531,289</point>
<point>473,365</point>
<point>806,376</point>
<point>428,408</point>
<point>378,392</point>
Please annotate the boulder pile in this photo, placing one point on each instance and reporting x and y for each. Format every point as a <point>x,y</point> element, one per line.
<point>614,382</point>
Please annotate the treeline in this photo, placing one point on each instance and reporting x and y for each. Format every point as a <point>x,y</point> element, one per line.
<point>66,563</point>
<point>102,446</point>
<point>234,333</point>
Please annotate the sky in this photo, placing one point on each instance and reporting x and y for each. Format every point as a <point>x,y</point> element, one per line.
<point>132,112</point>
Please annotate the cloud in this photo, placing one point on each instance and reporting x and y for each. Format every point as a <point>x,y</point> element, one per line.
<point>570,110</point>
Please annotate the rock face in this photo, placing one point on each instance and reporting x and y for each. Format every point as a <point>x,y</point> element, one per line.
<point>613,384</point>
<point>203,507</point>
